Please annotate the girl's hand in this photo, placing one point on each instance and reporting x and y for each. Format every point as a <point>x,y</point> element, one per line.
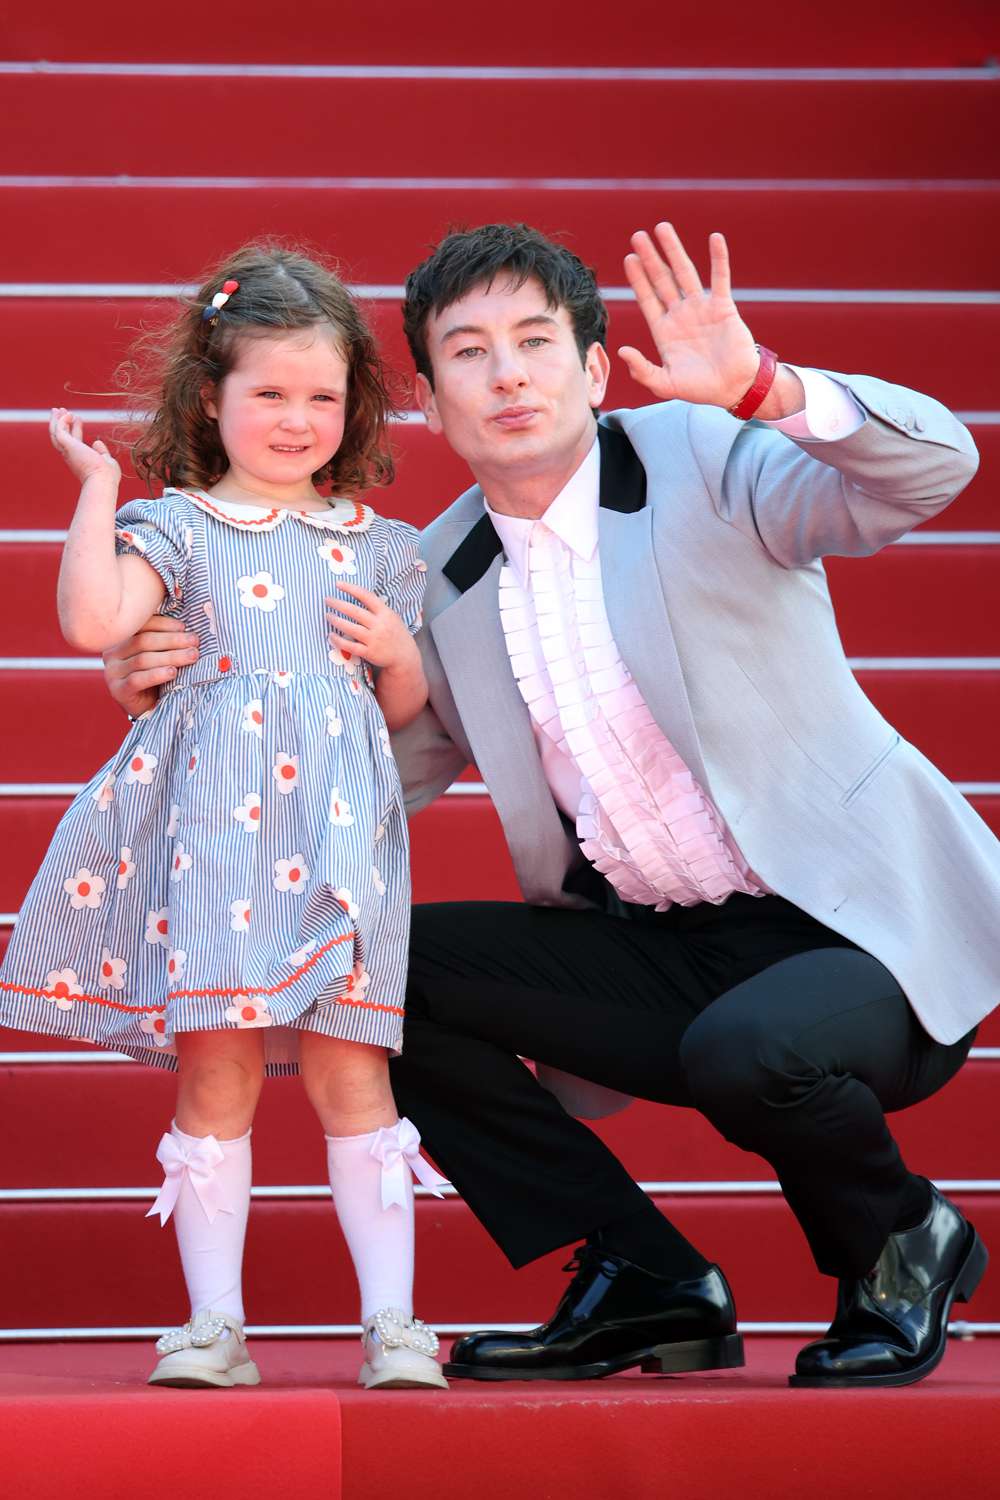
<point>371,630</point>
<point>66,432</point>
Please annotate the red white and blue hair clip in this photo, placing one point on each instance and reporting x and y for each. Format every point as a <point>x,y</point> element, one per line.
<point>210,314</point>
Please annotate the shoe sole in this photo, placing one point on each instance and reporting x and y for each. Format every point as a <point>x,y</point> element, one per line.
<point>970,1274</point>
<point>195,1378</point>
<point>400,1382</point>
<point>661,1359</point>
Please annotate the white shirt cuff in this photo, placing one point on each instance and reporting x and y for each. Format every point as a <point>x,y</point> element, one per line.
<point>830,410</point>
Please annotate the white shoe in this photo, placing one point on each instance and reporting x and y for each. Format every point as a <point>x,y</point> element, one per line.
<point>399,1351</point>
<point>209,1351</point>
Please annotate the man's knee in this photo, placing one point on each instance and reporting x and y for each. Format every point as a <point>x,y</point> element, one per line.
<point>735,1061</point>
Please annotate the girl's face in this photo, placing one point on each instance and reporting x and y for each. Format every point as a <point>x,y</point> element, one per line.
<point>281,413</point>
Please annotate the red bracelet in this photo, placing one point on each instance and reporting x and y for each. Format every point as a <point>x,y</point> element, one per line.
<point>763,381</point>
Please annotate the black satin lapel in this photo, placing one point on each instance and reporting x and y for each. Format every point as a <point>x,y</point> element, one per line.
<point>623,479</point>
<point>474,556</point>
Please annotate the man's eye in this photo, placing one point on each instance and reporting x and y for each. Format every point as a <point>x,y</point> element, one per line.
<point>469,350</point>
<point>536,341</point>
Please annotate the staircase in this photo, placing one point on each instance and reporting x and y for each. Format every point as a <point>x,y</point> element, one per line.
<point>851,159</point>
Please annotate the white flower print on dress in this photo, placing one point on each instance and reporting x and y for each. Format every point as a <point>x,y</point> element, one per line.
<point>291,874</point>
<point>112,973</point>
<point>301,954</point>
<point>333,723</point>
<point>141,767</point>
<point>157,927</point>
<point>84,889</point>
<point>188,541</point>
<point>383,739</point>
<point>239,916</point>
<point>282,678</point>
<point>339,558</point>
<point>176,959</point>
<point>105,794</point>
<point>377,881</point>
<point>249,1010</point>
<point>340,810</point>
<point>65,987</point>
<point>180,863</point>
<point>248,813</point>
<point>356,985</point>
<point>154,1024</point>
<point>126,868</point>
<point>193,759</point>
<point>208,609</point>
<point>174,821</point>
<point>354,683</point>
<point>344,659</point>
<point>286,772</point>
<point>259,591</point>
<point>253,718</point>
<point>348,902</point>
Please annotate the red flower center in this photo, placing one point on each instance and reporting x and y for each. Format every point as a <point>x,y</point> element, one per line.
<point>161,926</point>
<point>260,590</point>
<point>137,763</point>
<point>84,888</point>
<point>106,969</point>
<point>288,772</point>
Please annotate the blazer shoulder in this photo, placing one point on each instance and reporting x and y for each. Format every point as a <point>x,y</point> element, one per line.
<point>441,536</point>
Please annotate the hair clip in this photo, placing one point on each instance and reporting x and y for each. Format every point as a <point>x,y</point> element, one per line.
<point>210,314</point>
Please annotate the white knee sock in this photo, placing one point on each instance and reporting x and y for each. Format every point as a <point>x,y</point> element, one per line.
<point>380,1239</point>
<point>207,1188</point>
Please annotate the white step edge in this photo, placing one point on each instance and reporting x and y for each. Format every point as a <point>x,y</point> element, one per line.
<point>23,534</point>
<point>856,663</point>
<point>390,292</point>
<point>961,1329</point>
<point>497,183</point>
<point>38,415</point>
<point>498,73</point>
<point>311,1192</point>
<point>457,789</point>
<point>36,1059</point>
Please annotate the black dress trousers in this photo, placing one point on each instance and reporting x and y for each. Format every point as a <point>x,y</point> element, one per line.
<point>793,1042</point>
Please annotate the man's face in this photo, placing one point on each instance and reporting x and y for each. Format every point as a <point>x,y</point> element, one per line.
<point>511,393</point>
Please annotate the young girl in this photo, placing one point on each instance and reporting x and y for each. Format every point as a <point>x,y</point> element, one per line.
<point>230,895</point>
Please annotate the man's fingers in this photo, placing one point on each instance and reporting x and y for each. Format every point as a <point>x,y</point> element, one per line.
<point>150,677</point>
<point>681,264</point>
<point>646,373</point>
<point>719,254</point>
<point>649,270</point>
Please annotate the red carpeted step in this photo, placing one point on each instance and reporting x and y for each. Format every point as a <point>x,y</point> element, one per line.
<point>40,491</point>
<point>363,31</point>
<point>477,127</point>
<point>63,351</point>
<point>741,1432</point>
<point>26,826</point>
<point>881,601</point>
<point>951,1136</point>
<point>105,1265</point>
<point>901,237</point>
<point>952,716</point>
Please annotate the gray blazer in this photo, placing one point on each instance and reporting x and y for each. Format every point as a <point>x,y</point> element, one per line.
<point>711,535</point>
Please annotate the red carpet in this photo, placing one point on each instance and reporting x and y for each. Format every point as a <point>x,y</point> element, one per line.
<point>85,1409</point>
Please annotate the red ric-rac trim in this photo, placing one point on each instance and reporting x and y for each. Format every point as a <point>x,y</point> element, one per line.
<point>264,520</point>
<point>39,994</point>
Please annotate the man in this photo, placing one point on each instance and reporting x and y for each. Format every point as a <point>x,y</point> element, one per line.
<point>743,892</point>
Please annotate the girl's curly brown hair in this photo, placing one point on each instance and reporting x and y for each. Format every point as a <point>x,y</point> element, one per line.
<point>280,289</point>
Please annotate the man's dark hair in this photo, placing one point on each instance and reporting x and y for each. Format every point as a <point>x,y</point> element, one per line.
<point>468,258</point>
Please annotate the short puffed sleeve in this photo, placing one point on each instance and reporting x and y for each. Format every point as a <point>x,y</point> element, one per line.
<point>160,532</point>
<point>403,573</point>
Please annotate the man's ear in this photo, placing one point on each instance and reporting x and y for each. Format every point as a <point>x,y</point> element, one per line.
<point>208,402</point>
<point>598,368</point>
<point>424,392</point>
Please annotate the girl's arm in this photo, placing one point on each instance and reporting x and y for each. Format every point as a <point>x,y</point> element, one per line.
<point>373,631</point>
<point>102,598</point>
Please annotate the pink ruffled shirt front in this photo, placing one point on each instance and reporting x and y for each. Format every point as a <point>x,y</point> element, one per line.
<point>641,817</point>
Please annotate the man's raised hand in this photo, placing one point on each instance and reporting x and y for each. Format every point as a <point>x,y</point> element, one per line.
<point>135,670</point>
<point>707,353</point>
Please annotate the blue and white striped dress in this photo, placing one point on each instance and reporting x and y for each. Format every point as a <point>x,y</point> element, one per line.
<point>243,860</point>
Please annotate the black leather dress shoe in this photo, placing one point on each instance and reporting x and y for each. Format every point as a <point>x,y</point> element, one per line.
<point>891,1325</point>
<point>613,1315</point>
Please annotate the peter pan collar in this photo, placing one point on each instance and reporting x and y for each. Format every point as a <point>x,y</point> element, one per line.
<point>342,515</point>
